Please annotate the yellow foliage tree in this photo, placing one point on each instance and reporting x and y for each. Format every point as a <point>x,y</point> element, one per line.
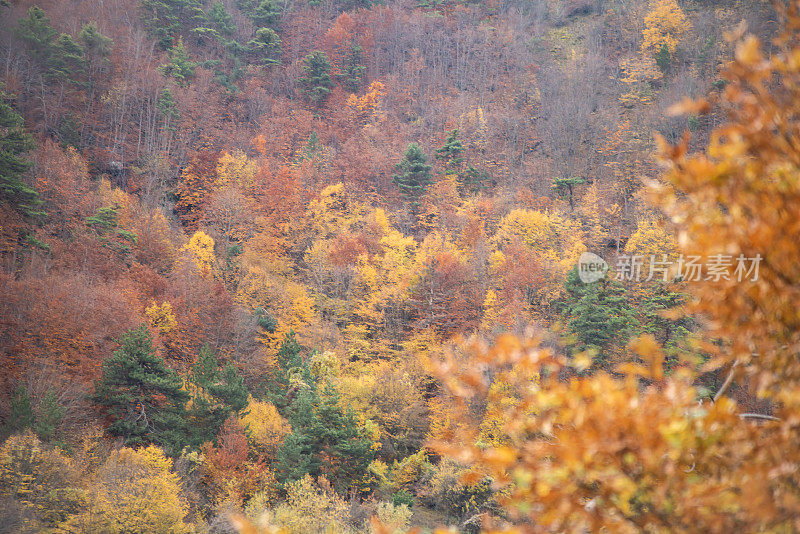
<point>135,491</point>
<point>556,241</point>
<point>235,169</point>
<point>332,211</point>
<point>650,237</point>
<point>639,73</point>
<point>309,507</point>
<point>265,428</point>
<point>161,317</point>
<point>664,25</point>
<point>643,450</point>
<point>369,105</point>
<point>200,250</point>
<point>595,218</point>
<point>42,480</point>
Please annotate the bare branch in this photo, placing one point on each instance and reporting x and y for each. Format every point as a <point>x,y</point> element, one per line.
<point>727,383</point>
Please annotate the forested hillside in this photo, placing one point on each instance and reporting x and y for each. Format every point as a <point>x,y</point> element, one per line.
<point>312,265</point>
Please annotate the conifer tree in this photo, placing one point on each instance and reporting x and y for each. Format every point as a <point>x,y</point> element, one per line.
<point>96,51</point>
<point>48,416</point>
<point>66,61</point>
<point>60,57</point>
<point>44,419</point>
<point>168,109</point>
<point>166,18</point>
<point>667,330</point>
<point>413,176</point>
<point>15,142</point>
<point>353,69</point>
<point>266,13</point>
<point>266,46</point>
<point>472,180</point>
<point>450,152</point>
<point>21,416</point>
<point>289,362</point>
<point>317,82</point>
<point>219,17</point>
<point>144,399</point>
<point>217,393</point>
<point>566,186</point>
<point>597,313</point>
<point>325,440</point>
<point>180,67</point>
<point>35,30</point>
<point>95,43</point>
<point>337,435</point>
<point>296,456</point>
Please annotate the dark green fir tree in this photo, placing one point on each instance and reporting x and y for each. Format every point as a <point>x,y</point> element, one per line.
<point>353,69</point>
<point>180,67</point>
<point>219,18</point>
<point>316,80</point>
<point>144,399</point>
<point>37,34</point>
<point>450,152</point>
<point>266,13</point>
<point>265,47</point>
<point>413,176</point>
<point>15,142</point>
<point>325,440</point>
<point>279,388</point>
<point>217,393</point>
<point>597,314</point>
<point>164,19</point>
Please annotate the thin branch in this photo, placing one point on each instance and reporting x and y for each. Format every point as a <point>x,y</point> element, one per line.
<point>758,416</point>
<point>727,383</point>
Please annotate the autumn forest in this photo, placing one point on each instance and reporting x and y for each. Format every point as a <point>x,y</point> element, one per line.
<point>380,266</point>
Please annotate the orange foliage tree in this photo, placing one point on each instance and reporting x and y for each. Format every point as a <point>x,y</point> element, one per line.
<point>647,451</point>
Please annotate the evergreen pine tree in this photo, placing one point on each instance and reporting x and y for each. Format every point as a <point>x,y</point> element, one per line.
<point>164,19</point>
<point>266,13</point>
<point>15,142</point>
<point>567,185</point>
<point>180,67</point>
<point>289,363</point>
<point>96,51</point>
<point>413,176</point>
<point>667,331</point>
<point>317,82</point>
<point>217,393</point>
<point>168,109</point>
<point>144,399</point>
<point>21,416</point>
<point>472,180</point>
<point>266,46</point>
<point>450,152</point>
<point>95,43</point>
<point>44,420</point>
<point>353,69</point>
<point>325,440</point>
<point>48,416</point>
<point>221,20</point>
<point>37,33</point>
<point>60,57</point>
<point>297,455</point>
<point>66,61</point>
<point>336,433</point>
<point>597,314</point>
